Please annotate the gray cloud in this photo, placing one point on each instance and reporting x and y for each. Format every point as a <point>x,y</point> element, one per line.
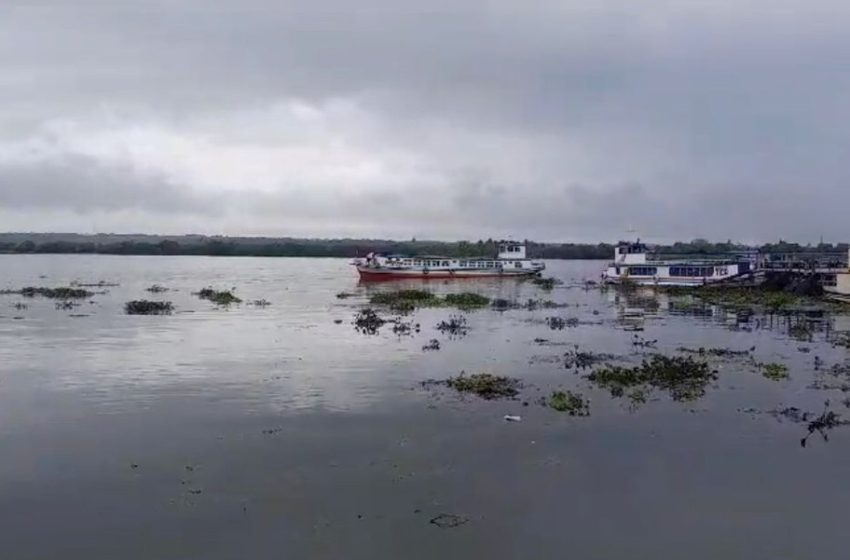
<point>567,121</point>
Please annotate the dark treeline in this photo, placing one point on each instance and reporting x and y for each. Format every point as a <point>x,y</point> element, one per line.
<point>113,244</point>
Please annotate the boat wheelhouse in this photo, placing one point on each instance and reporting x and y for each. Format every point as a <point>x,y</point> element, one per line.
<point>511,261</point>
<point>632,263</point>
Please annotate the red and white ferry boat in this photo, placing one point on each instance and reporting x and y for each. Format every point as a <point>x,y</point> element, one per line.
<point>510,261</point>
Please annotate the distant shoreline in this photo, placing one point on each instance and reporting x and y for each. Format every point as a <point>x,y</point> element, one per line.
<point>220,246</point>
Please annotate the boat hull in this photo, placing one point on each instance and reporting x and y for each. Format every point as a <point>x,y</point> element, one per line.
<point>372,273</point>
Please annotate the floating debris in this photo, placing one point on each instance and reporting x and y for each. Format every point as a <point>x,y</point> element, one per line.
<point>448,521</point>
<point>223,297</point>
<point>773,371</point>
<point>455,326</point>
<point>367,321</point>
<point>145,307</point>
<point>345,295</point>
<point>485,385</point>
<point>569,402</point>
<point>684,378</point>
<point>261,303</point>
<point>66,305</point>
<point>512,418</point>
<point>20,306</point>
<point>432,345</point>
<point>156,289</point>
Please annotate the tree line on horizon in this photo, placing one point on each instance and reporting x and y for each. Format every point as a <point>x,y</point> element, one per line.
<point>349,248</point>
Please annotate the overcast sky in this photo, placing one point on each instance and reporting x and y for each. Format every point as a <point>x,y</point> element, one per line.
<point>575,120</point>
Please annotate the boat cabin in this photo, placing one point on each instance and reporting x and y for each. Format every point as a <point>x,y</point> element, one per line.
<point>630,253</point>
<point>511,250</point>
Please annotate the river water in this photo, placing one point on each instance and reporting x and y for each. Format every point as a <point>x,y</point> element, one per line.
<point>280,431</point>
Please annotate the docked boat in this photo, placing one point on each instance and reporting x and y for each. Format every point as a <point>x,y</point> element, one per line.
<point>634,264</point>
<point>511,261</point>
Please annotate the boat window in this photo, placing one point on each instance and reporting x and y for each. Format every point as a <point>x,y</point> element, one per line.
<point>445,263</point>
<point>643,270</point>
<point>518,264</point>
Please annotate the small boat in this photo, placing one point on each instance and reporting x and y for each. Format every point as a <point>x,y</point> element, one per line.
<point>510,261</point>
<point>632,264</point>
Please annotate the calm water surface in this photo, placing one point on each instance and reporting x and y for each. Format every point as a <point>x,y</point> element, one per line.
<point>281,432</point>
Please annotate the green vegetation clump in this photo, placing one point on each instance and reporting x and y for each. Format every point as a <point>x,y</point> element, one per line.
<point>569,402</point>
<point>405,301</point>
<point>684,378</point>
<point>775,372</point>
<point>742,297</point>
<point>156,289</point>
<point>223,297</point>
<point>467,300</point>
<point>716,352</point>
<point>408,300</point>
<point>52,293</point>
<point>485,385</point>
<point>545,283</point>
<point>368,322</point>
<point>145,307</point>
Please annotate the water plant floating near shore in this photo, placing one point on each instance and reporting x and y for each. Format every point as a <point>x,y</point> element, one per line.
<point>404,301</point>
<point>223,297</point>
<point>683,378</point>
<point>145,307</point>
<point>52,293</point>
<point>569,402</point>
<point>775,372</point>
<point>485,385</point>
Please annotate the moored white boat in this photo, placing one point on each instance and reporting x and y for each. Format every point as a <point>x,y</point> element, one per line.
<point>633,265</point>
<point>511,261</point>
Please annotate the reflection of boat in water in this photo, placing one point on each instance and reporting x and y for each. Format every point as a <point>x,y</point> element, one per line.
<point>632,264</point>
<point>511,261</point>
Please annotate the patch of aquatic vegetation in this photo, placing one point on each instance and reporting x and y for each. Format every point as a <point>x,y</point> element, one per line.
<point>802,331</point>
<point>98,284</point>
<point>156,289</point>
<point>569,402</point>
<point>145,307</point>
<point>560,323</point>
<point>20,306</point>
<point>408,300</point>
<point>774,371</point>
<point>500,304</point>
<point>583,360</point>
<point>640,342</point>
<point>367,321</point>
<point>466,300</point>
<point>747,297</point>
<point>683,378</point>
<point>52,293</point>
<point>545,283</point>
<point>432,345</point>
<point>66,305</point>
<point>260,303</point>
<point>454,326</point>
<point>219,297</point>
<point>820,424</point>
<point>717,352</point>
<point>485,385</point>
<point>404,328</point>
